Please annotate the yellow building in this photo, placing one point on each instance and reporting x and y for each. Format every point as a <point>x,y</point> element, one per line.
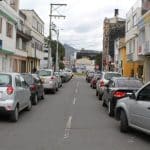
<point>130,69</point>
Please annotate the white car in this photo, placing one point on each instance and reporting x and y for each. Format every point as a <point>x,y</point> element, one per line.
<point>14,95</point>
<point>134,111</point>
<point>50,82</point>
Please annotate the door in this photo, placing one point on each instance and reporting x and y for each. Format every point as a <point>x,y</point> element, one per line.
<point>140,109</point>
<point>19,92</point>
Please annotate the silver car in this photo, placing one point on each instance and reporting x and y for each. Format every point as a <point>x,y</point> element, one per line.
<point>134,111</point>
<point>50,82</point>
<point>14,95</point>
<point>100,85</point>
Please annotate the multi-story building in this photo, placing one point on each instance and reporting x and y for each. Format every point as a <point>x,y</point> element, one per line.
<point>8,22</point>
<point>23,39</point>
<point>132,36</point>
<point>144,39</point>
<point>113,28</point>
<point>35,47</point>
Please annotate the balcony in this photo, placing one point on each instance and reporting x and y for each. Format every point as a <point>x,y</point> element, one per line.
<point>8,11</point>
<point>146,48</point>
<point>130,57</point>
<point>24,32</point>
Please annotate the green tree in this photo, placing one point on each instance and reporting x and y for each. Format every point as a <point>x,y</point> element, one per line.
<point>61,51</point>
<point>98,60</point>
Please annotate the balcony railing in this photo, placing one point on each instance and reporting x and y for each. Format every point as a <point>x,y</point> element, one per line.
<point>24,29</point>
<point>130,57</point>
<point>147,48</point>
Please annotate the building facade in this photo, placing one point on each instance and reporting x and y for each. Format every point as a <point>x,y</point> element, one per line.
<point>8,22</point>
<point>35,48</point>
<point>144,44</point>
<point>113,28</point>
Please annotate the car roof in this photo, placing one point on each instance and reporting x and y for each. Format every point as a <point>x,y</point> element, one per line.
<point>10,73</point>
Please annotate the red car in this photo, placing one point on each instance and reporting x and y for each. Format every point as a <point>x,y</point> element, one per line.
<point>94,80</point>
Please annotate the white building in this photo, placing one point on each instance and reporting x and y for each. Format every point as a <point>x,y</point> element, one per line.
<point>8,22</point>
<point>144,43</point>
<point>132,36</point>
<point>35,48</point>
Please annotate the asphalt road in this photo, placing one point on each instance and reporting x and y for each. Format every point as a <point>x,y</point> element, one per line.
<point>72,119</point>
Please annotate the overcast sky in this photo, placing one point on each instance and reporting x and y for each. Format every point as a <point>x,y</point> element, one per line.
<point>83,26</point>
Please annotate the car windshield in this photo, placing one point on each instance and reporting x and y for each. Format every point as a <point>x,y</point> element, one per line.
<point>5,80</point>
<point>129,83</point>
<point>108,76</point>
<point>45,73</point>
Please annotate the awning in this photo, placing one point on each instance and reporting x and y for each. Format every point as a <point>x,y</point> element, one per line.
<point>4,51</point>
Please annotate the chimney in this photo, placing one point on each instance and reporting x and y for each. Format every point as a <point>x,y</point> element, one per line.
<point>116,12</point>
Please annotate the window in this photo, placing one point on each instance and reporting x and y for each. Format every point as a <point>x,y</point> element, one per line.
<point>18,81</point>
<point>5,80</point>
<point>9,30</point>
<point>0,25</point>
<point>128,25</point>
<point>134,20</point>
<point>144,94</point>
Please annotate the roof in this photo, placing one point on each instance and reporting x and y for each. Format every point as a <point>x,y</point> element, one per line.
<point>33,11</point>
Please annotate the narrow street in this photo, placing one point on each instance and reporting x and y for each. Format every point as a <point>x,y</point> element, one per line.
<point>72,119</point>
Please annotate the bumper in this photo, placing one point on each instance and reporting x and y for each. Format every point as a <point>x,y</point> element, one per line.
<point>49,86</point>
<point>7,105</point>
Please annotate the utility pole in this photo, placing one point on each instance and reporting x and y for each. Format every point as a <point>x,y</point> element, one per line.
<point>50,31</point>
<point>57,61</point>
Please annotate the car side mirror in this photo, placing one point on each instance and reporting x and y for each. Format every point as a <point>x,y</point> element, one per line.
<point>132,96</point>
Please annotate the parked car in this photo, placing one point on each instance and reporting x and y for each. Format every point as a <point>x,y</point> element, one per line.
<point>36,87</point>
<point>134,111</point>
<point>49,80</point>
<point>89,76</point>
<point>94,80</point>
<point>100,85</point>
<point>118,88</point>
<point>14,95</point>
<point>57,74</point>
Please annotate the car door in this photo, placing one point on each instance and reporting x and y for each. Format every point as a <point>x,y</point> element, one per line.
<point>26,92</point>
<point>140,109</point>
<point>19,91</point>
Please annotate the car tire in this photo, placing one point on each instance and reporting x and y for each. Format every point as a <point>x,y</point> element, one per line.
<point>99,96</point>
<point>123,122</point>
<point>29,107</point>
<point>96,93</point>
<point>110,109</point>
<point>54,91</point>
<point>35,100</point>
<point>43,95</point>
<point>15,115</point>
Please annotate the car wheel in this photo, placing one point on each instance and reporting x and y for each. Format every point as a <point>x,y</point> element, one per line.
<point>43,95</point>
<point>35,100</point>
<point>96,93</point>
<point>99,96</point>
<point>15,115</point>
<point>110,109</point>
<point>103,102</point>
<point>123,122</point>
<point>54,91</point>
<point>29,107</point>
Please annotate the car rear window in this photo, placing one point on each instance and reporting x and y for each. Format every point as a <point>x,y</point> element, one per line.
<point>45,73</point>
<point>5,80</point>
<point>28,78</point>
<point>129,83</point>
<point>108,76</point>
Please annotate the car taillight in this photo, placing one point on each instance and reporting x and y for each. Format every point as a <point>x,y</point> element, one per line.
<point>101,83</point>
<point>10,90</point>
<point>33,87</point>
<point>52,78</point>
<point>119,94</point>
